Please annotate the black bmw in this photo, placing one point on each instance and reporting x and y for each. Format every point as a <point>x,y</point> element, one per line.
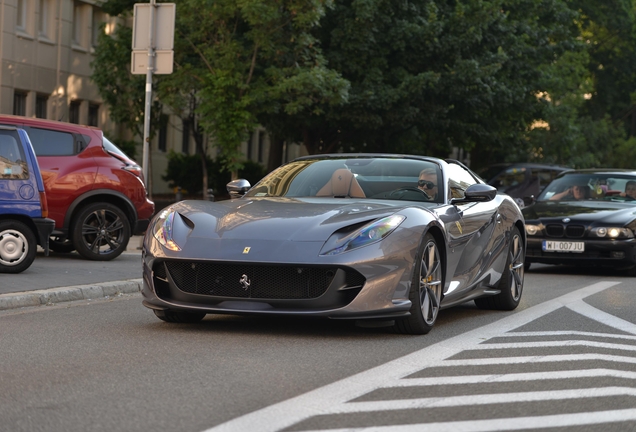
<point>585,217</point>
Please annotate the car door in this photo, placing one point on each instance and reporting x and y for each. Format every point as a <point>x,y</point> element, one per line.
<point>470,228</point>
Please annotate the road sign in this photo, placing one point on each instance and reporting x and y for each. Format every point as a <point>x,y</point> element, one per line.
<point>163,29</point>
<point>162,65</point>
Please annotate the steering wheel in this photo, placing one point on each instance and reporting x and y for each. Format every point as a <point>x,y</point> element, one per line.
<point>410,189</point>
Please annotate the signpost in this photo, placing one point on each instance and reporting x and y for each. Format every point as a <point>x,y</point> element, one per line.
<point>152,44</point>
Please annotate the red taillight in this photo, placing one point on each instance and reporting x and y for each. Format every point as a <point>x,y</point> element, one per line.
<point>44,205</point>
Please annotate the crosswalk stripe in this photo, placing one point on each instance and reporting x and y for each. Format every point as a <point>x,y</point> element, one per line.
<point>479,399</point>
<point>513,377</point>
<point>547,344</point>
<point>505,424</point>
<point>567,333</point>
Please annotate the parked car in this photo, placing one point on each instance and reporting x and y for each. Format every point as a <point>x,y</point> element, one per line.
<point>521,180</point>
<point>584,218</point>
<point>23,206</point>
<point>345,236</point>
<point>96,193</point>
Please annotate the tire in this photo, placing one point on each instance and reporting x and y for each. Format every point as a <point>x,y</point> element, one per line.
<point>58,246</point>
<point>101,232</point>
<point>179,317</point>
<point>426,290</point>
<point>18,246</point>
<point>511,282</point>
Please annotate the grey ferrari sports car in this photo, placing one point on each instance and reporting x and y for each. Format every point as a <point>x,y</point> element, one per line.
<point>392,238</point>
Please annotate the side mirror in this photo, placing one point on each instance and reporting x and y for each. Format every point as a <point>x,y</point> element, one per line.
<point>476,193</point>
<point>238,188</point>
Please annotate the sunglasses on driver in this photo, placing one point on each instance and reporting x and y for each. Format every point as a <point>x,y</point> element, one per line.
<point>428,184</point>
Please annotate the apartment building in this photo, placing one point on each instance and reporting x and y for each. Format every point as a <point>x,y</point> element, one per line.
<point>46,48</point>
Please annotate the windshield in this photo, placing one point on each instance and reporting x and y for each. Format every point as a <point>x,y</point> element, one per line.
<point>591,187</point>
<point>378,178</point>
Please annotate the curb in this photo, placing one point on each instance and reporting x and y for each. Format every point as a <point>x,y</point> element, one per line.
<point>66,294</point>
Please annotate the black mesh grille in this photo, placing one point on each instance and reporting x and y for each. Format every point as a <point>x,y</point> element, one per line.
<point>554,230</point>
<point>575,230</point>
<point>255,280</point>
<point>572,231</point>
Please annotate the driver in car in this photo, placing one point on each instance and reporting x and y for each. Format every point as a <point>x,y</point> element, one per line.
<point>427,183</point>
<point>630,190</point>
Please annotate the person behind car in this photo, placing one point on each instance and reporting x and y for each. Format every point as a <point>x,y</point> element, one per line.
<point>630,190</point>
<point>576,193</point>
<point>427,183</point>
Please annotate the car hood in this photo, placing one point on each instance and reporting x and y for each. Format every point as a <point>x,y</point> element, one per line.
<point>291,219</point>
<point>587,212</point>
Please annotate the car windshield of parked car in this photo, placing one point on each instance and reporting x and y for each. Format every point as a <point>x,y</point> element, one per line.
<point>376,178</point>
<point>591,187</point>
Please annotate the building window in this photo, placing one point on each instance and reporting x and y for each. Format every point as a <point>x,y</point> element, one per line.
<point>21,19</point>
<point>43,18</point>
<point>40,106</point>
<point>77,23</point>
<point>93,115</point>
<point>19,103</point>
<point>185,142</point>
<point>96,26</point>
<point>74,112</point>
<point>261,145</point>
<point>163,133</point>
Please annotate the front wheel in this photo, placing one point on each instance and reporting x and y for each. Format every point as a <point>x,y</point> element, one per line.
<point>18,246</point>
<point>426,290</point>
<point>511,282</point>
<point>101,232</point>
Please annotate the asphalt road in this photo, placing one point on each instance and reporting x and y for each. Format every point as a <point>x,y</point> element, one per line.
<point>565,359</point>
<point>65,270</point>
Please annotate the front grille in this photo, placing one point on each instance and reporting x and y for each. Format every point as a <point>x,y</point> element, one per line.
<point>258,281</point>
<point>572,231</point>
<point>554,230</point>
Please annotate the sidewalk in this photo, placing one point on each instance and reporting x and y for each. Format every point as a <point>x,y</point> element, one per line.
<point>68,277</point>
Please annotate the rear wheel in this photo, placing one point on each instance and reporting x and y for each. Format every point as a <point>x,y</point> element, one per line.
<point>426,290</point>
<point>179,317</point>
<point>511,282</point>
<point>18,246</point>
<point>101,232</point>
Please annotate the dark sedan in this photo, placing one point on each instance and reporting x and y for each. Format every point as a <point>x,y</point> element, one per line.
<point>585,217</point>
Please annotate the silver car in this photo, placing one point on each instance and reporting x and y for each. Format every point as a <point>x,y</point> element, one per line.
<point>393,238</point>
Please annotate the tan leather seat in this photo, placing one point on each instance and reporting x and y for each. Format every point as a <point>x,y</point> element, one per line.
<point>342,184</point>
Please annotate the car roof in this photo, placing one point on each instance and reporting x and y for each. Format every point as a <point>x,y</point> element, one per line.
<point>599,171</point>
<point>53,124</point>
<point>369,155</point>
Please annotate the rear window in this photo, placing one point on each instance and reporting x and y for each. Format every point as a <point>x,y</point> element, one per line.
<point>52,143</point>
<point>12,159</point>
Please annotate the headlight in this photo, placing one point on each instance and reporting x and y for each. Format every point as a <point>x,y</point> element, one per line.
<point>368,234</point>
<point>162,230</point>
<point>532,229</point>
<point>612,232</point>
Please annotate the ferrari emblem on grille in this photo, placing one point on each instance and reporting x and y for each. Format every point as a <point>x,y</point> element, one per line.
<point>245,282</point>
<point>246,250</point>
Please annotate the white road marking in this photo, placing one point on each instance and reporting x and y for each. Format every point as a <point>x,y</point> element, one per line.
<point>585,309</point>
<point>505,424</point>
<point>549,344</point>
<point>567,333</point>
<point>514,377</point>
<point>327,398</point>
<point>479,399</point>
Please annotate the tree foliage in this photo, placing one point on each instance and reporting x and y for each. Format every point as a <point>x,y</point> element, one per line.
<point>506,80</point>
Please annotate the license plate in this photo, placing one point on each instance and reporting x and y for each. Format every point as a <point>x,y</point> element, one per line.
<point>563,246</point>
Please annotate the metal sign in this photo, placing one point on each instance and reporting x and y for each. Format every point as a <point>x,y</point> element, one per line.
<point>163,34</point>
<point>163,62</point>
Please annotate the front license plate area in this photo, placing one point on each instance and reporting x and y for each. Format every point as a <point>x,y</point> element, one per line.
<point>563,246</point>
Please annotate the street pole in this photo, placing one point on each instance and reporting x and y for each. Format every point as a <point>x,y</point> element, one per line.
<point>151,62</point>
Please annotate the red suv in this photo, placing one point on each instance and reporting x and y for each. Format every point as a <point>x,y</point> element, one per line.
<point>95,193</point>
